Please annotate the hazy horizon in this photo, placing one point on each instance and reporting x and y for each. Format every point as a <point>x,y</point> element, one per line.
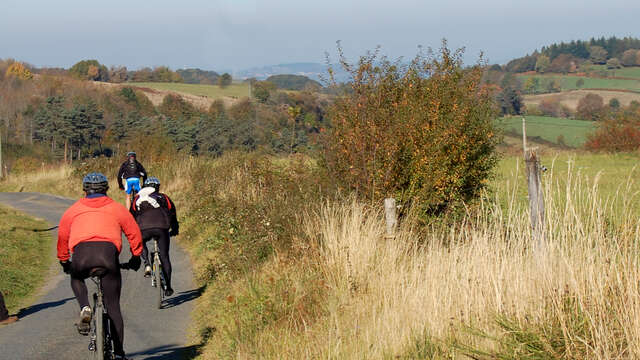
<point>236,35</point>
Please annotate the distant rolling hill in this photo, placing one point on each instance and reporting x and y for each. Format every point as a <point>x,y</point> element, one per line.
<point>314,71</point>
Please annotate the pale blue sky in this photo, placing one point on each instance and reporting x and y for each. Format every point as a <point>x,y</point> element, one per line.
<point>237,34</point>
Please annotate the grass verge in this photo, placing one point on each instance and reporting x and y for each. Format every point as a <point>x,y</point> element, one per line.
<point>25,256</point>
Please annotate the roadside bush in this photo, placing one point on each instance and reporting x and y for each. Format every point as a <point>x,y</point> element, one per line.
<point>26,164</point>
<point>423,133</point>
<point>251,209</point>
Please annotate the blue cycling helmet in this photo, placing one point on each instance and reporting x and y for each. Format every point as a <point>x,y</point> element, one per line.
<point>153,181</point>
<point>95,182</point>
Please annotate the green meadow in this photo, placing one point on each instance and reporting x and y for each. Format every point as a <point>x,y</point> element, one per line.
<point>556,130</point>
<point>573,82</point>
<point>628,71</point>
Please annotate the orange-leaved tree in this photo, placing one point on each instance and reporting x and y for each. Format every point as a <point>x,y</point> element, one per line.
<point>422,132</point>
<point>18,70</point>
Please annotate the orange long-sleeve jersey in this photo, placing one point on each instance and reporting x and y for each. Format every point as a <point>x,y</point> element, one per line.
<point>97,219</point>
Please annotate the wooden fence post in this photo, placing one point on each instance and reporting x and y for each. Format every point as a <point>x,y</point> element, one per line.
<point>536,196</point>
<point>390,217</point>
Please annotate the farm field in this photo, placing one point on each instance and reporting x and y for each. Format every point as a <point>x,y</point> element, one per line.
<point>574,132</point>
<point>571,98</point>
<point>237,90</point>
<point>571,82</point>
<point>629,72</point>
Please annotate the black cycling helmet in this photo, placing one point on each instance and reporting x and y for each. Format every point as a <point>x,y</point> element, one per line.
<point>153,181</point>
<point>131,154</point>
<point>95,182</point>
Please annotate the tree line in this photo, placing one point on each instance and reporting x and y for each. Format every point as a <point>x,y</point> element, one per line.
<point>75,119</point>
<point>95,71</point>
<point>564,57</point>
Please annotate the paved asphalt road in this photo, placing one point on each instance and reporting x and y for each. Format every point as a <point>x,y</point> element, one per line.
<point>46,328</point>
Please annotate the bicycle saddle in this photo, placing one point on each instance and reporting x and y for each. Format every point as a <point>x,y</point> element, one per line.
<point>98,271</point>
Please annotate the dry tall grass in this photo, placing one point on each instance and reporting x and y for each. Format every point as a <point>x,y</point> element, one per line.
<point>52,179</point>
<point>478,287</point>
<point>475,288</point>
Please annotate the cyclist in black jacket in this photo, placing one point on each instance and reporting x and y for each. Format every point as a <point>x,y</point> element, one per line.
<point>131,171</point>
<point>156,217</point>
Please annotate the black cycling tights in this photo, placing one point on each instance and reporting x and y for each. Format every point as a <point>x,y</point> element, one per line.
<point>163,245</point>
<point>86,256</point>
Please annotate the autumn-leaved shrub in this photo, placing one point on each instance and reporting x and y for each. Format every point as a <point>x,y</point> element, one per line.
<point>620,132</point>
<point>421,132</point>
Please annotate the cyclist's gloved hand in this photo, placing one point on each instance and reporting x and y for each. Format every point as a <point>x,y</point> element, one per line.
<point>66,266</point>
<point>134,263</point>
<point>121,187</point>
<point>173,232</point>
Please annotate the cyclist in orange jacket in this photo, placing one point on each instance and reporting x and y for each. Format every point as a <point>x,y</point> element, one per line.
<point>92,230</point>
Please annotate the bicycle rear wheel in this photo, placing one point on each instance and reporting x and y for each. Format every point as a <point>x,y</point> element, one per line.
<point>99,324</point>
<point>157,273</point>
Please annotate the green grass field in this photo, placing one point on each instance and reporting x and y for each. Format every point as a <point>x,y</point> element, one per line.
<point>615,174</point>
<point>237,90</point>
<point>550,129</point>
<point>571,83</point>
<point>629,72</point>
<point>25,255</point>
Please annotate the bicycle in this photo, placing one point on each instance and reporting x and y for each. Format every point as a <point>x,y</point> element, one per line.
<point>157,276</point>
<point>100,337</point>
